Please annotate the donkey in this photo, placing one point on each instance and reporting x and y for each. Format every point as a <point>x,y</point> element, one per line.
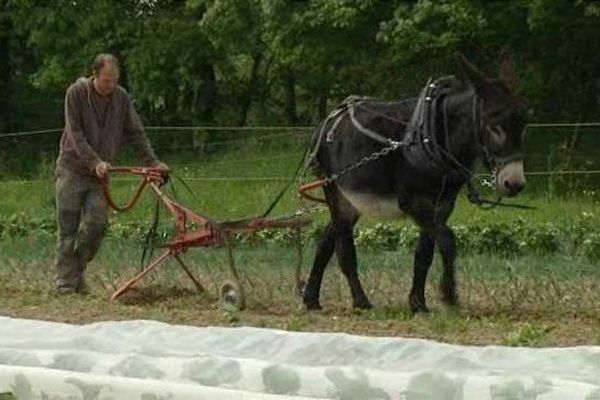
<point>412,158</point>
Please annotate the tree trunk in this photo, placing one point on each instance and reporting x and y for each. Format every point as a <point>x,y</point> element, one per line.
<point>322,107</point>
<point>5,29</point>
<point>252,88</point>
<point>208,92</point>
<point>289,87</point>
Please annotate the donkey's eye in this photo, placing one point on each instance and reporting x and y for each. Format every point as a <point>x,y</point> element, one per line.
<point>497,135</point>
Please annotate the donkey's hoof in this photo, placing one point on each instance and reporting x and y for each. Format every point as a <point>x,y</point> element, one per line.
<point>420,309</point>
<point>363,305</point>
<point>312,305</point>
<point>417,306</point>
<point>451,303</point>
<point>449,294</point>
<point>450,298</point>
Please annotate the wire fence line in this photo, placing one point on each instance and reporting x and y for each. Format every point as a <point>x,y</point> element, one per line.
<point>202,145</point>
<point>191,179</point>
<point>277,178</point>
<point>294,132</point>
<point>172,128</point>
<point>274,128</point>
<point>28,133</point>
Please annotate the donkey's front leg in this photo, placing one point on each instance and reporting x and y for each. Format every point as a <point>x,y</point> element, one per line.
<point>447,245</point>
<point>423,259</point>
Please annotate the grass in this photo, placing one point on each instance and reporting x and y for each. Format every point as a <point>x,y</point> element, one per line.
<point>230,179</point>
<point>533,301</point>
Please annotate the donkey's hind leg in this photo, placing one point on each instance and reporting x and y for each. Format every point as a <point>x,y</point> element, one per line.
<point>323,254</point>
<point>346,253</point>
<point>447,246</point>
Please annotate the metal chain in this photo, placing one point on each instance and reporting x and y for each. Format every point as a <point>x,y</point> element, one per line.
<point>394,145</point>
<point>366,160</point>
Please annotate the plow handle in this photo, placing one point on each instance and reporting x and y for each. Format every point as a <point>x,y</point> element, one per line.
<point>147,175</point>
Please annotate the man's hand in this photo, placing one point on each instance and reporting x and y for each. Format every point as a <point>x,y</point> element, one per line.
<point>164,171</point>
<point>161,166</point>
<point>102,169</point>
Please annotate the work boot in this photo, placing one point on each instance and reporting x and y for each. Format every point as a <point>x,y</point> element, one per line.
<point>75,284</point>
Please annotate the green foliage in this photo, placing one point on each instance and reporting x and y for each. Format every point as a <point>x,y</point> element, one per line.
<point>527,335</point>
<point>428,27</point>
<point>579,239</point>
<point>590,246</point>
<point>207,61</point>
<point>19,225</point>
<point>380,237</point>
<point>226,62</point>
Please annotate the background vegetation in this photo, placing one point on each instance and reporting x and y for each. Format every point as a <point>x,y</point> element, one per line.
<point>527,277</point>
<point>282,62</point>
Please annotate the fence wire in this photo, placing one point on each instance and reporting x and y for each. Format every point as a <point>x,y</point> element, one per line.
<point>570,148</point>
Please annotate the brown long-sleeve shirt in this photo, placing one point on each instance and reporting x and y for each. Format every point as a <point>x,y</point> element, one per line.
<point>96,127</point>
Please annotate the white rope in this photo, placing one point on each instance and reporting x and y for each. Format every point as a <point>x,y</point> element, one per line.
<point>227,128</point>
<point>573,172</point>
<point>277,156</point>
<point>547,173</point>
<point>282,178</point>
<point>28,133</point>
<point>273,128</point>
<point>195,178</point>
<point>174,128</point>
<point>565,125</point>
<point>289,135</point>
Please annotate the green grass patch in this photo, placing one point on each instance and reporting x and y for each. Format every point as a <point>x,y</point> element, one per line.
<point>532,300</point>
<point>526,277</point>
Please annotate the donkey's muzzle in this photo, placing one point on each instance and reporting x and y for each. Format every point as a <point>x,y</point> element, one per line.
<point>511,178</point>
<point>513,187</point>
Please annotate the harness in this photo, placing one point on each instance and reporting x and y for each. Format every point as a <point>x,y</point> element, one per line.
<point>421,145</point>
<point>423,127</point>
<point>329,126</point>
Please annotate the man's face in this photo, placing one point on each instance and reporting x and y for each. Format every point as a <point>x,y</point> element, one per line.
<point>107,79</point>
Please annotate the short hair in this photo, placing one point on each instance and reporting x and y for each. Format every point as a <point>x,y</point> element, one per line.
<point>101,60</point>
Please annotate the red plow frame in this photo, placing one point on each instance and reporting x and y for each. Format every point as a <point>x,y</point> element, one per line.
<point>197,230</point>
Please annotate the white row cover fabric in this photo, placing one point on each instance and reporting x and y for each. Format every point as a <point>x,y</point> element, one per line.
<point>149,360</point>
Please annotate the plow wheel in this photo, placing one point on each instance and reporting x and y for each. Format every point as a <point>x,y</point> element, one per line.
<point>231,295</point>
<point>232,292</point>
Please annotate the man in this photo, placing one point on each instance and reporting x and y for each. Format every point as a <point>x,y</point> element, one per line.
<point>99,116</point>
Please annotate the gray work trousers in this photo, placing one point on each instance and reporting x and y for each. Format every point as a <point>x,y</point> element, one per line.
<point>82,216</point>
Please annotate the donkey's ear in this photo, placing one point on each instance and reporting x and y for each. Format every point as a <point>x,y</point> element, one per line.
<point>470,74</point>
<point>507,69</point>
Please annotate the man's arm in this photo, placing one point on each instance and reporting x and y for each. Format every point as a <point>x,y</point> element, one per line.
<point>74,128</point>
<point>137,136</point>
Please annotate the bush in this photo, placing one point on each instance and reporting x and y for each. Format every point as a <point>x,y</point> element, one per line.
<point>590,246</point>
<point>380,237</point>
<point>580,238</point>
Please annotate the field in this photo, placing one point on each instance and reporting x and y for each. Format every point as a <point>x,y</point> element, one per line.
<point>526,277</point>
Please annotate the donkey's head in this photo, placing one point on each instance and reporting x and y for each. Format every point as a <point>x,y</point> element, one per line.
<point>503,122</point>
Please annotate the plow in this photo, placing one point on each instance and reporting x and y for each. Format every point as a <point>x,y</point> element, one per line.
<point>195,230</point>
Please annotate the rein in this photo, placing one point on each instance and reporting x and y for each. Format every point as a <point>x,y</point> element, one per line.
<point>420,125</point>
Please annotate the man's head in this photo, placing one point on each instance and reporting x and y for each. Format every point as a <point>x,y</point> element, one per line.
<point>106,73</point>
